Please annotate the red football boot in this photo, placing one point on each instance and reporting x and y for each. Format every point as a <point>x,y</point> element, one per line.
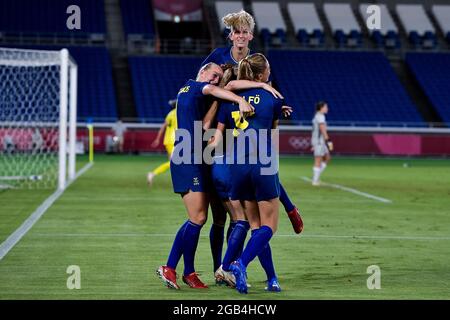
<point>193,281</point>
<point>296,220</point>
<point>169,276</point>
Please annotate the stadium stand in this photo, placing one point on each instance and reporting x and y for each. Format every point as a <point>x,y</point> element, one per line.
<point>307,26</point>
<point>32,19</point>
<point>432,71</point>
<point>442,15</point>
<point>137,19</point>
<point>222,9</point>
<point>269,23</point>
<point>361,87</point>
<point>417,25</point>
<point>344,25</point>
<point>171,73</point>
<point>387,36</point>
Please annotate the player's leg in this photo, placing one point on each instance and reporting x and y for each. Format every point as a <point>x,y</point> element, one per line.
<point>325,160</point>
<point>162,168</point>
<point>216,234</point>
<point>317,167</point>
<point>196,204</point>
<point>291,210</point>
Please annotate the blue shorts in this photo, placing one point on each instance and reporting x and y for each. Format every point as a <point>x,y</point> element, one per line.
<point>247,183</point>
<point>220,174</point>
<point>194,177</point>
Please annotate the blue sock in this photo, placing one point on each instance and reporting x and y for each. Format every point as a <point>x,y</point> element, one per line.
<point>265,258</point>
<point>230,229</point>
<point>256,244</point>
<point>235,244</point>
<point>285,201</point>
<point>190,241</point>
<point>177,248</point>
<point>216,242</point>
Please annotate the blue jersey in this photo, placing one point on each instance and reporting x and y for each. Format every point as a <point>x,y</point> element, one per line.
<point>267,110</point>
<point>247,182</point>
<point>224,56</point>
<point>221,56</point>
<point>191,106</point>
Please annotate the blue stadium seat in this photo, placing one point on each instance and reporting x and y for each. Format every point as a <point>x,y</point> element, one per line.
<point>156,80</point>
<point>432,73</point>
<point>137,18</point>
<point>48,18</point>
<point>360,87</point>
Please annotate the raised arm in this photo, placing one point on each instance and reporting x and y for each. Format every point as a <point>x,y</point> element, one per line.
<point>244,106</point>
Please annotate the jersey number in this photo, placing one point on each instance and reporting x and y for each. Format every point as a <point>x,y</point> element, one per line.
<point>239,122</point>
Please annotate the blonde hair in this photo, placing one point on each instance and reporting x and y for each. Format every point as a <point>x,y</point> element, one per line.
<point>237,20</point>
<point>252,66</point>
<point>229,73</point>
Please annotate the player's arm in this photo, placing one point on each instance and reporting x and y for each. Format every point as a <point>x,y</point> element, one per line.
<point>246,84</point>
<point>244,106</point>
<point>157,140</point>
<point>218,136</point>
<point>210,115</point>
<point>323,131</point>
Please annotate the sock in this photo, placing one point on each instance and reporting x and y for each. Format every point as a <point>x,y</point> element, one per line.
<point>216,242</point>
<point>285,201</point>
<point>323,166</point>
<point>177,248</point>
<point>316,175</point>
<point>162,168</point>
<point>256,244</point>
<point>230,229</point>
<point>265,258</point>
<point>190,241</point>
<point>235,244</point>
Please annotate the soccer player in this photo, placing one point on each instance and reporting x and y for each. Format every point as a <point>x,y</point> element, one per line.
<point>258,192</point>
<point>191,180</point>
<point>168,128</point>
<point>241,25</point>
<point>320,141</point>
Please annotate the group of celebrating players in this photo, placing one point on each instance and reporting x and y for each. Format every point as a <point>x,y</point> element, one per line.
<point>229,76</point>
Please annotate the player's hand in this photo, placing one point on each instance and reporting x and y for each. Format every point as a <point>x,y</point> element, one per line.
<point>155,143</point>
<point>272,90</point>
<point>245,108</point>
<point>330,145</point>
<point>286,111</point>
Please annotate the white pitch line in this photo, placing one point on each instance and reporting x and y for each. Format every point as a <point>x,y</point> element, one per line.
<point>313,236</point>
<point>360,193</point>
<point>15,237</point>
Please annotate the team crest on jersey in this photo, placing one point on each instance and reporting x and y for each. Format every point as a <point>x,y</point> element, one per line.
<point>196,181</point>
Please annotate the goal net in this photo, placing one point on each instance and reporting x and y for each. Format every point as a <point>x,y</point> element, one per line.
<point>38,91</point>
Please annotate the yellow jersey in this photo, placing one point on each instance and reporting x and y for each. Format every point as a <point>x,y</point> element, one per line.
<point>171,121</point>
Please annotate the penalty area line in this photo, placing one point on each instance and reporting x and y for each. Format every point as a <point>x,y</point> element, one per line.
<point>351,190</point>
<point>15,237</point>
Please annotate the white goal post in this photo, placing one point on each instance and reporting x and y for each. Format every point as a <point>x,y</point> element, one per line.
<point>38,112</point>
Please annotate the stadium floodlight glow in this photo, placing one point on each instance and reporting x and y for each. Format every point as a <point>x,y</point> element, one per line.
<point>38,102</point>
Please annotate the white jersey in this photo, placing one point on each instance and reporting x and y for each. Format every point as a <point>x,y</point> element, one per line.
<point>317,137</point>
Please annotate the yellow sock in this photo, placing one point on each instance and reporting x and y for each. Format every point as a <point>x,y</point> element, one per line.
<point>162,168</point>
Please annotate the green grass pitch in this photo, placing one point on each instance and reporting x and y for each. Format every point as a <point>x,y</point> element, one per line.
<point>118,232</point>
